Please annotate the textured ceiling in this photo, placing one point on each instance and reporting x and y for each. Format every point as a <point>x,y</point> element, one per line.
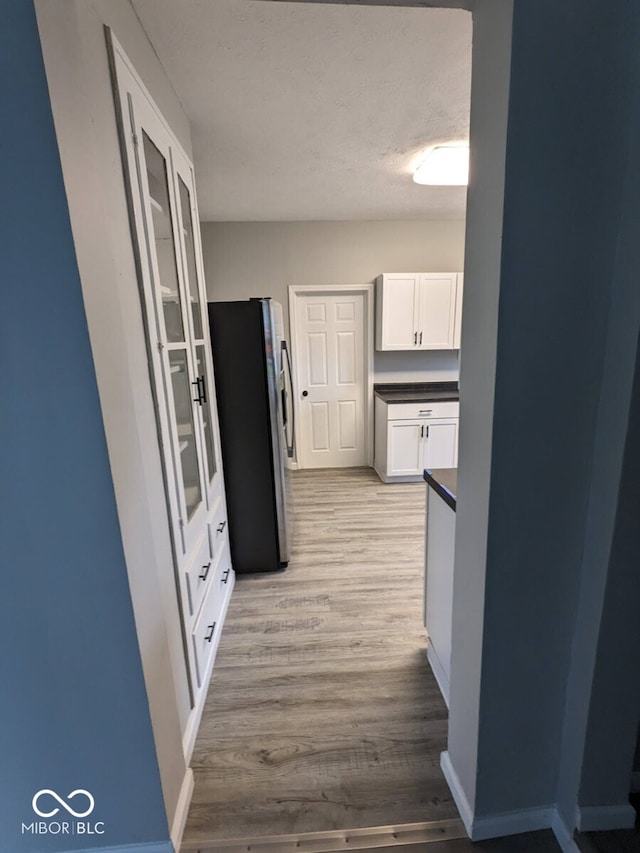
<point>303,111</point>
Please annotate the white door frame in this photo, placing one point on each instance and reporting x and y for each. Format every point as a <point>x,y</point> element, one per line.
<point>368,291</point>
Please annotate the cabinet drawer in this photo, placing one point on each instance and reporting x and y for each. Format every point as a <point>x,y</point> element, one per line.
<point>199,574</point>
<point>218,532</point>
<point>224,571</point>
<point>205,631</point>
<point>411,411</point>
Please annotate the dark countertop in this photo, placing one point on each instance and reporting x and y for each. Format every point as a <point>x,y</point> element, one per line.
<point>444,481</point>
<point>417,392</point>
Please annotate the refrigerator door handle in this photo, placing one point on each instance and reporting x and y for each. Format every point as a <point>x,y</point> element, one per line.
<point>290,448</point>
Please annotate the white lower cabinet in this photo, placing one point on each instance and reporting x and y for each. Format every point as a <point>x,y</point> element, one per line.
<point>412,437</point>
<point>206,628</point>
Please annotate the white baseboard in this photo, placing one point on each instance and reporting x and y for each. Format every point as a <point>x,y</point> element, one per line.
<point>151,847</point>
<point>635,782</point>
<point>512,823</point>
<point>507,823</point>
<point>564,835</point>
<point>182,809</point>
<point>603,818</point>
<point>457,792</point>
<point>438,672</point>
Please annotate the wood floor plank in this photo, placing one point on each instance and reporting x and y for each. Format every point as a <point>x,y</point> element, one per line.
<point>322,712</point>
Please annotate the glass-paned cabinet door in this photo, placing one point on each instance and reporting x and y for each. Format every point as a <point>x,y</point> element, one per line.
<point>169,296</point>
<point>194,286</point>
<point>168,284</point>
<point>184,420</point>
<point>190,251</point>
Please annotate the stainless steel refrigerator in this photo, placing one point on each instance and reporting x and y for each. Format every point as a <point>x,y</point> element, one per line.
<point>257,432</point>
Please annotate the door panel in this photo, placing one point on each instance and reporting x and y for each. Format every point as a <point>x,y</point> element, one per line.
<point>317,366</point>
<point>330,348</point>
<point>346,358</point>
<point>404,450</point>
<point>347,424</point>
<point>399,316</point>
<point>441,446</point>
<point>320,427</point>
<point>437,306</point>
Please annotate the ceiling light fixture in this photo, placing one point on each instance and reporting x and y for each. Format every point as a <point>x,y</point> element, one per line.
<point>444,166</point>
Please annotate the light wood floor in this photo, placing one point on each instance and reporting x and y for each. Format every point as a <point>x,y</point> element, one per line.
<point>322,712</point>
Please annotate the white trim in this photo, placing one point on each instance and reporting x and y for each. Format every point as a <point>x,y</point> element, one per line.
<point>438,672</point>
<point>512,823</point>
<point>457,791</point>
<point>182,809</point>
<point>368,291</point>
<point>603,818</point>
<point>564,836</point>
<point>635,782</point>
<point>507,823</point>
<point>151,847</point>
<point>363,839</point>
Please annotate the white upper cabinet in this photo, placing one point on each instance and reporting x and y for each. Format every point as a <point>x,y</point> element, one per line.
<point>418,311</point>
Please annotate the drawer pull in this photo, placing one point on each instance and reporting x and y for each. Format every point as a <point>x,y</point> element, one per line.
<point>209,637</point>
<point>425,411</point>
<point>221,526</point>
<point>206,568</point>
<point>225,575</point>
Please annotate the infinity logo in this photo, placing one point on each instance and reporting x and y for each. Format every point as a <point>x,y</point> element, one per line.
<point>64,805</point>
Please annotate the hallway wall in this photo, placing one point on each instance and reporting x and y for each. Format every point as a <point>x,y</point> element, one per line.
<point>245,259</point>
<point>73,703</point>
<point>75,53</point>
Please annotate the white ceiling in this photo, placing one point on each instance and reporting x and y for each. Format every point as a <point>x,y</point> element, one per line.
<point>308,111</point>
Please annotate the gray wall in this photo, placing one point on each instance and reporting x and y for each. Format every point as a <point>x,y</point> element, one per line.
<point>73,703</point>
<point>73,41</point>
<point>489,104</point>
<point>561,383</point>
<point>244,259</point>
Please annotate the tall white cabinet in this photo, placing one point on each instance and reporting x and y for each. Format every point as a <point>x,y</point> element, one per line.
<point>418,311</point>
<point>166,235</point>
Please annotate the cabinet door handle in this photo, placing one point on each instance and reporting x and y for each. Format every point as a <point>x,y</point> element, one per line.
<point>422,431</point>
<point>421,337</point>
<point>415,338</point>
<point>225,575</point>
<point>206,568</point>
<point>203,390</point>
<point>427,430</point>
<point>221,526</point>
<point>212,628</point>
<point>200,390</point>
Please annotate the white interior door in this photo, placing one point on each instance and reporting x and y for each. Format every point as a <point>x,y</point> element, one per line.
<point>330,366</point>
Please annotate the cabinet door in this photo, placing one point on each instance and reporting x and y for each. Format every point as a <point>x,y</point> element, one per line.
<point>441,444</point>
<point>172,327</point>
<point>399,296</point>
<point>405,448</point>
<point>458,322</point>
<point>437,310</point>
<point>193,273</point>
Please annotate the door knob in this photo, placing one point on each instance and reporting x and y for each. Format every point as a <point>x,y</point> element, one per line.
<point>305,393</point>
